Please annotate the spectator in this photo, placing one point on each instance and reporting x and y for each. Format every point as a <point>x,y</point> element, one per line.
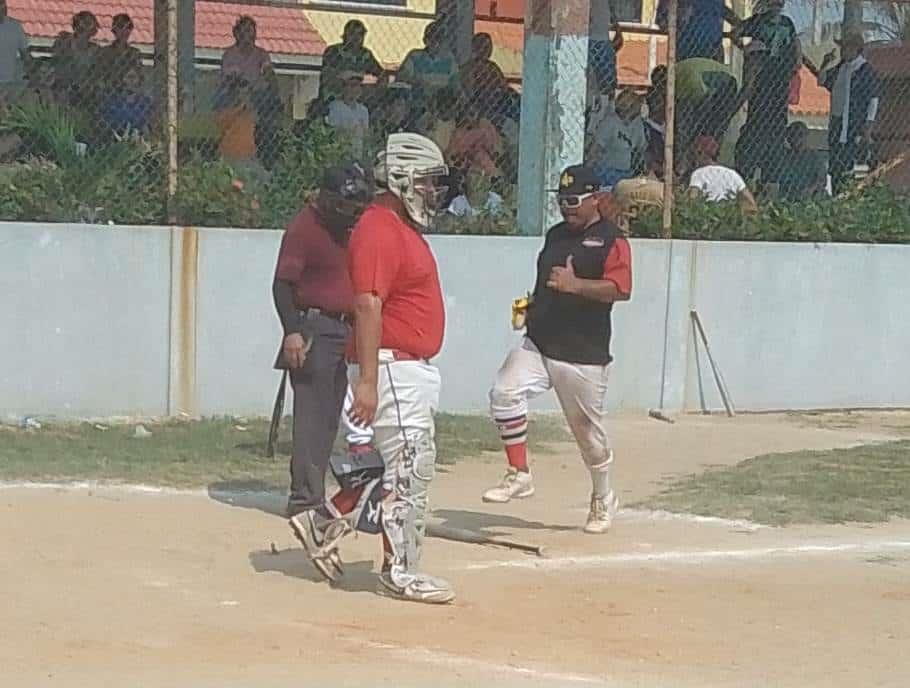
<point>348,56</point>
<point>768,88</point>
<point>475,143</point>
<point>699,27</point>
<point>802,175</point>
<point>476,197</point>
<point>617,143</point>
<point>441,124</point>
<point>715,182</point>
<point>349,117</point>
<point>707,98</point>
<point>245,59</point>
<point>431,68</point>
<point>393,114</point>
<point>118,58</point>
<point>855,92</point>
<point>237,125</point>
<point>128,109</point>
<point>655,122</point>
<point>601,48</point>
<point>75,59</point>
<point>14,57</point>
<point>481,79</point>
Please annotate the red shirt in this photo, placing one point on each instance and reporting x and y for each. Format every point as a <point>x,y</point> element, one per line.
<point>315,264</point>
<point>618,266</point>
<point>392,260</point>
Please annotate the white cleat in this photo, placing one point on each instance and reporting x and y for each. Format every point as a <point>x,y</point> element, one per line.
<point>603,511</point>
<point>422,588</point>
<point>515,485</point>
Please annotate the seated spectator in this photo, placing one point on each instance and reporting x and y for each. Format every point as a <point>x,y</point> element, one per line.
<point>481,79</point>
<point>476,197</point>
<point>348,56</point>
<point>475,143</point>
<point>715,182</point>
<point>75,58</point>
<point>431,68</point>
<point>349,117</point>
<point>802,174</point>
<point>14,57</point>
<point>617,143</point>
<point>128,109</point>
<point>440,121</point>
<point>237,123</point>
<point>118,58</point>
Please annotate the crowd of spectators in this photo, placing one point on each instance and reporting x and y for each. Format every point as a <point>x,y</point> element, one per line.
<point>472,112</point>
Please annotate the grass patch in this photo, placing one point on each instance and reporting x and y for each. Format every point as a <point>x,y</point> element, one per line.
<point>198,453</point>
<point>866,484</point>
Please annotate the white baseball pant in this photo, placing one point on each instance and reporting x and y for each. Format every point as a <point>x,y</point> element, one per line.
<point>581,390</point>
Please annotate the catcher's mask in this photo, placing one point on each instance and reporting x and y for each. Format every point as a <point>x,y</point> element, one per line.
<point>345,192</point>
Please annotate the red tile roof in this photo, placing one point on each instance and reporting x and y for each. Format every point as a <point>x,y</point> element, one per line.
<point>280,30</point>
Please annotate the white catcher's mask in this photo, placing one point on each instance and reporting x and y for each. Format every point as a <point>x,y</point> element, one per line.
<point>412,167</point>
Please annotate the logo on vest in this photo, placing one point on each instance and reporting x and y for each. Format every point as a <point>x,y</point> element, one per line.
<point>593,242</point>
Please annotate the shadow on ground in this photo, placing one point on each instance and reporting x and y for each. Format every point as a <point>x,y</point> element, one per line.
<point>251,494</point>
<point>358,575</point>
<point>486,523</point>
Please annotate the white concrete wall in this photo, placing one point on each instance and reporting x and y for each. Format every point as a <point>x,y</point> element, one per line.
<point>93,322</point>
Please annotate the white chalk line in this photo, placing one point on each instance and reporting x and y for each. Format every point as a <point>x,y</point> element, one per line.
<point>696,556</point>
<point>423,655</point>
<point>227,495</point>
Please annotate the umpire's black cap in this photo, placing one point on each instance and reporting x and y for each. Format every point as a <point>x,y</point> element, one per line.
<point>349,180</point>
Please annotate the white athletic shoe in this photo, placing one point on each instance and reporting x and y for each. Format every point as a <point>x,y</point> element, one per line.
<point>603,510</point>
<point>423,588</point>
<point>515,485</point>
<point>321,544</point>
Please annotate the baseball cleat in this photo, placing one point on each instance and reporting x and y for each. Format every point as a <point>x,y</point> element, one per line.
<point>321,545</point>
<point>424,589</point>
<point>603,510</point>
<point>515,485</point>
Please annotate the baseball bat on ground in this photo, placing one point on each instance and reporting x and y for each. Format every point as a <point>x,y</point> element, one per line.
<point>470,537</point>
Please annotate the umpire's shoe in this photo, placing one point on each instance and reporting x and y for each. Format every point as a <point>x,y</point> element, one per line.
<point>320,541</point>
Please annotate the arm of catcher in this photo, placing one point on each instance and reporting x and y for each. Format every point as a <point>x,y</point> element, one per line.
<point>367,336</point>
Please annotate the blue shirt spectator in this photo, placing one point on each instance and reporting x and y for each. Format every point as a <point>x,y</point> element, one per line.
<point>700,27</point>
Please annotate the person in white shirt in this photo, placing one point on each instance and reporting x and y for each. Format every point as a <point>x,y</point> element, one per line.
<point>13,55</point>
<point>476,198</point>
<point>349,117</point>
<point>715,182</point>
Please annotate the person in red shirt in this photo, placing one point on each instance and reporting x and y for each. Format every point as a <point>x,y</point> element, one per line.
<point>314,299</point>
<point>399,322</point>
<point>585,267</point>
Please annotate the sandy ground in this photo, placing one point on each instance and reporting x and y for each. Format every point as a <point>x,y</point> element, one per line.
<point>105,586</point>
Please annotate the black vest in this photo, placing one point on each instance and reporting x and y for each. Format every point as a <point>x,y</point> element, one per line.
<point>567,327</point>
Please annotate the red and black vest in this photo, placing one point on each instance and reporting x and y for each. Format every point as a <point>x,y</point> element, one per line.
<point>567,327</point>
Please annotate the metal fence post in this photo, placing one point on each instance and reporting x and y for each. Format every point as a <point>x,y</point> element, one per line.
<point>172,111</point>
<point>670,125</point>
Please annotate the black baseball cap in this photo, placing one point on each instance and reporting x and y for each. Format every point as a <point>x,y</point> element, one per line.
<point>577,180</point>
<point>349,180</point>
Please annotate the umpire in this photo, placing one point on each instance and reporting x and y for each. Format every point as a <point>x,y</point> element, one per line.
<point>314,300</point>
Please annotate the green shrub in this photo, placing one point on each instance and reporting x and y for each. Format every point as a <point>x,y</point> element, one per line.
<point>874,215</point>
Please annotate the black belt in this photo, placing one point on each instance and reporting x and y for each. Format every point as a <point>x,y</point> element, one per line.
<point>345,318</point>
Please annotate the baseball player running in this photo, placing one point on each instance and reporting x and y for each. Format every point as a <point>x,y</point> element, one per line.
<point>584,267</point>
<point>399,321</point>
<point>314,300</point>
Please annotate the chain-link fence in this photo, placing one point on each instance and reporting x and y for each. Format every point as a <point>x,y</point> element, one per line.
<point>773,103</point>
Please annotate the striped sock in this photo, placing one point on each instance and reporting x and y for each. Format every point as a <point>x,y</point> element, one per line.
<point>514,434</point>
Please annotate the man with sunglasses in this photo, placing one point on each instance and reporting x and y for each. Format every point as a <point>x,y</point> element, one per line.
<point>584,267</point>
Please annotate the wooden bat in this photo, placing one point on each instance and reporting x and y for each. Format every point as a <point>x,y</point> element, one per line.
<point>277,413</point>
<point>470,537</point>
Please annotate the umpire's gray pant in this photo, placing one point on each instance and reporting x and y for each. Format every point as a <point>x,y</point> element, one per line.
<point>319,389</point>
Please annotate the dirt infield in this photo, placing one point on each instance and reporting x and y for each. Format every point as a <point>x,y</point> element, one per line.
<point>104,586</point>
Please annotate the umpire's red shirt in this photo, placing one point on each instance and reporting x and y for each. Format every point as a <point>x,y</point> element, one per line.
<point>392,260</point>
